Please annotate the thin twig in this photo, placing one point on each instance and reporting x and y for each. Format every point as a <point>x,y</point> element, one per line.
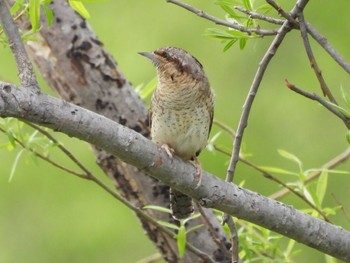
<point>257,31</point>
<point>322,40</point>
<point>339,159</point>
<point>255,15</point>
<point>61,147</point>
<point>234,239</point>
<point>324,103</point>
<point>280,10</point>
<point>212,231</point>
<point>25,68</point>
<point>224,127</point>
<point>341,207</point>
<point>326,91</point>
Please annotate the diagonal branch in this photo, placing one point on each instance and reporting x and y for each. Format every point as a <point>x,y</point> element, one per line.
<point>324,103</point>
<point>136,150</point>
<point>326,91</point>
<point>24,66</point>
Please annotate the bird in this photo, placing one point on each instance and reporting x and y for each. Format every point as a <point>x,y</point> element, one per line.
<point>181,113</point>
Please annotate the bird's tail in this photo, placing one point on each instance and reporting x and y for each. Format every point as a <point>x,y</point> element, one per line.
<point>181,205</point>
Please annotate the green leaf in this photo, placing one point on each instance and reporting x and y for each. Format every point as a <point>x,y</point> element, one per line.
<point>80,8</point>
<point>340,109</point>
<point>247,4</point>
<point>308,195</point>
<point>229,44</point>
<point>16,7</point>
<point>231,12</point>
<point>218,33</point>
<point>270,169</point>
<point>348,136</point>
<point>34,14</point>
<point>322,186</point>
<point>194,228</point>
<point>49,15</point>
<point>181,240</point>
<point>157,208</point>
<point>345,96</point>
<point>264,9</point>
<point>14,165</point>
<point>291,157</point>
<point>242,43</point>
<point>168,225</point>
<point>11,138</point>
<point>148,89</point>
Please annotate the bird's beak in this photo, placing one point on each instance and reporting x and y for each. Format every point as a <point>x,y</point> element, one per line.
<point>149,55</point>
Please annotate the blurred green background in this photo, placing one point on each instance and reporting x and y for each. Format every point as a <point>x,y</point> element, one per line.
<point>49,216</point>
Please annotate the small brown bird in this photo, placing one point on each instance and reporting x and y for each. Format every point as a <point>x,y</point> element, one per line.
<point>181,112</point>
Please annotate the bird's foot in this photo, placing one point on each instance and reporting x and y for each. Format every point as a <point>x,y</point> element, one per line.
<point>169,151</point>
<point>199,171</point>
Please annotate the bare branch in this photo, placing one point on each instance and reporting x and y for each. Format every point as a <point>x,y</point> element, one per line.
<point>324,103</point>
<point>255,15</point>
<point>322,40</point>
<point>24,66</point>
<point>136,150</point>
<point>257,31</point>
<point>326,91</point>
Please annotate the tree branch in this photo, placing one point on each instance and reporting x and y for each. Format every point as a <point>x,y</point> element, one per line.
<point>249,31</point>
<point>25,69</point>
<point>243,122</point>
<point>324,103</point>
<point>135,149</point>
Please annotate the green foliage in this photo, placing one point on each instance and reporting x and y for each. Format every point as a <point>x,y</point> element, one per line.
<point>231,36</point>
<point>181,231</point>
<point>146,90</point>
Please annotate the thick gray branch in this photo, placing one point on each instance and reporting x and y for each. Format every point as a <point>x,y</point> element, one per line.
<point>137,150</point>
<point>24,66</point>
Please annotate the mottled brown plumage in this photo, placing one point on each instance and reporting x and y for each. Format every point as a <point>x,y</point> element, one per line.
<point>181,112</point>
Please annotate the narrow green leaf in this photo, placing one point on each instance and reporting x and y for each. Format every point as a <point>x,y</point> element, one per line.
<point>148,89</point>
<point>231,12</point>
<point>218,33</point>
<point>291,157</point>
<point>168,225</point>
<point>340,109</point>
<point>242,43</point>
<point>16,7</point>
<point>11,138</point>
<point>157,208</point>
<point>322,186</point>
<point>229,44</point>
<point>14,165</point>
<point>247,4</point>
<point>308,195</point>
<point>34,14</point>
<point>194,228</point>
<point>270,169</point>
<point>345,96</point>
<point>49,15</point>
<point>348,136</point>
<point>181,240</point>
<point>80,8</point>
